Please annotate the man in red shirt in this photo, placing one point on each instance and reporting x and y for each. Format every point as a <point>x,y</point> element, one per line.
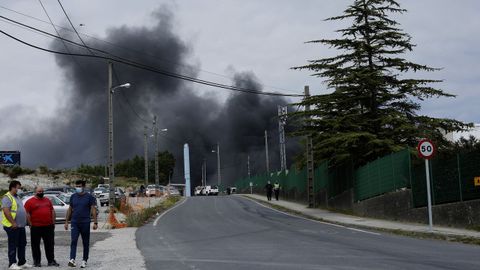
<point>41,217</point>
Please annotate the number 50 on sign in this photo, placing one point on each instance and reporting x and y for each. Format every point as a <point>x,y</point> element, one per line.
<point>426,149</point>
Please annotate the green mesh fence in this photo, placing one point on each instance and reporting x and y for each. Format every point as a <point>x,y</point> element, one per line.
<point>340,179</point>
<point>293,183</point>
<point>451,179</point>
<point>383,175</point>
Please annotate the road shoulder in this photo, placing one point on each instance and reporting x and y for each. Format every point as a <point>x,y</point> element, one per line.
<point>406,229</point>
<point>119,251</point>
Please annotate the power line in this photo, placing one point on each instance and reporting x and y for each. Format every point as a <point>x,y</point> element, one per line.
<point>138,65</point>
<point>53,25</point>
<point>142,52</point>
<point>73,27</point>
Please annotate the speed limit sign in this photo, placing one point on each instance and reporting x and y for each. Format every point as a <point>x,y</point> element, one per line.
<point>426,149</point>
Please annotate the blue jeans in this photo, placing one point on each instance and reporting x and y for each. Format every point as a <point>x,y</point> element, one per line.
<point>80,229</point>
<point>17,241</point>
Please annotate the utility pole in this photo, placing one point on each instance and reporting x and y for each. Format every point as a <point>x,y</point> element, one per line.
<point>111,173</point>
<point>218,164</point>
<point>310,166</point>
<point>282,121</point>
<point>248,166</point>
<point>146,154</point>
<point>267,157</point>
<point>155,132</point>
<point>106,168</point>
<point>204,173</point>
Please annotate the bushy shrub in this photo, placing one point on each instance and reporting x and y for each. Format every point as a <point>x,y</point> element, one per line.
<point>137,219</point>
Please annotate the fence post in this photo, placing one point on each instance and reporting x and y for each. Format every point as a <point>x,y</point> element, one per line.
<point>432,179</point>
<point>393,173</point>
<point>459,178</point>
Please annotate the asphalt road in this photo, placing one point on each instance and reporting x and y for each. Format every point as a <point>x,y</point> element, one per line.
<point>231,232</point>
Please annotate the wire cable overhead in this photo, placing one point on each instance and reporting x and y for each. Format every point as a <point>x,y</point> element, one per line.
<point>114,58</point>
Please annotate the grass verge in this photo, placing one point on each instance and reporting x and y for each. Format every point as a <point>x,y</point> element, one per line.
<point>419,235</point>
<point>137,219</point>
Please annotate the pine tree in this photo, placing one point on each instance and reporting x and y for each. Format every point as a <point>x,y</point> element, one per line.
<point>373,108</point>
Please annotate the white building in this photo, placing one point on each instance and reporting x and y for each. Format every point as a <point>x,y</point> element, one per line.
<point>455,136</point>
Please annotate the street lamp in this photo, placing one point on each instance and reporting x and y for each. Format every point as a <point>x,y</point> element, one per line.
<point>155,130</point>
<point>111,173</point>
<point>219,175</point>
<point>125,85</point>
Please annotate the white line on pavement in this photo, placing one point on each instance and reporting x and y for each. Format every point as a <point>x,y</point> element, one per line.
<point>164,213</point>
<point>317,221</point>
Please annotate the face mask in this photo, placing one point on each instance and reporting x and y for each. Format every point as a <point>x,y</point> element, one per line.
<point>40,195</point>
<point>79,189</point>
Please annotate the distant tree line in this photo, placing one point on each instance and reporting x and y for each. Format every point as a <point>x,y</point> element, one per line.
<point>135,167</point>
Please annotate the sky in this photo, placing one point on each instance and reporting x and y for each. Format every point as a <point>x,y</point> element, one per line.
<point>223,38</point>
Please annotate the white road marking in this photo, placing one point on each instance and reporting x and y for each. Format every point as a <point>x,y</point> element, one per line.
<point>164,213</point>
<point>317,221</point>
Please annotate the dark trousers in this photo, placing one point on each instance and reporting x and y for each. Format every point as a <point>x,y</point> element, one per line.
<point>269,195</point>
<point>47,233</point>
<point>17,241</point>
<point>277,192</point>
<point>80,229</point>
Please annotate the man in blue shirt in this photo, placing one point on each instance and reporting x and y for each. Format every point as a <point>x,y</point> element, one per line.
<point>82,207</point>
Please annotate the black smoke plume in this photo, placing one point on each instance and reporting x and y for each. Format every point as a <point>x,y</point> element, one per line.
<point>79,133</point>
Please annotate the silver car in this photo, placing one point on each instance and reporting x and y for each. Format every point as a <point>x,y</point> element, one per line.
<point>59,206</point>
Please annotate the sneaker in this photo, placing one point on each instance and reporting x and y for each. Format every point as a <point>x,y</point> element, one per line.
<point>53,263</point>
<point>26,265</point>
<point>14,266</point>
<point>37,265</point>
<point>84,264</point>
<point>72,263</point>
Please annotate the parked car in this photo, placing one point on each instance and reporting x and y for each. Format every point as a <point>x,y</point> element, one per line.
<point>59,206</point>
<point>99,190</point>
<point>172,191</point>
<point>210,191</point>
<point>65,189</point>
<point>106,186</point>
<point>65,197</point>
<point>119,193</point>
<point>198,191</point>
<point>154,191</point>
<point>103,195</point>
<point>25,194</point>
<point>213,191</point>
<point>135,193</point>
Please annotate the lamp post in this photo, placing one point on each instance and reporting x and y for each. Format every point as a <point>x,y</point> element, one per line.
<point>219,173</point>
<point>110,92</point>
<point>146,153</point>
<point>155,130</point>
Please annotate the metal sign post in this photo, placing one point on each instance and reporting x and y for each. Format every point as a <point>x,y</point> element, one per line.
<point>426,150</point>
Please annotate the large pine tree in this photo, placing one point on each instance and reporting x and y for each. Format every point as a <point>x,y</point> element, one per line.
<point>373,108</point>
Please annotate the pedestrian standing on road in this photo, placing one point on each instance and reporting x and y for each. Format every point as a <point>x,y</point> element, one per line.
<point>82,208</point>
<point>14,220</point>
<point>276,190</point>
<point>269,189</point>
<point>41,217</point>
